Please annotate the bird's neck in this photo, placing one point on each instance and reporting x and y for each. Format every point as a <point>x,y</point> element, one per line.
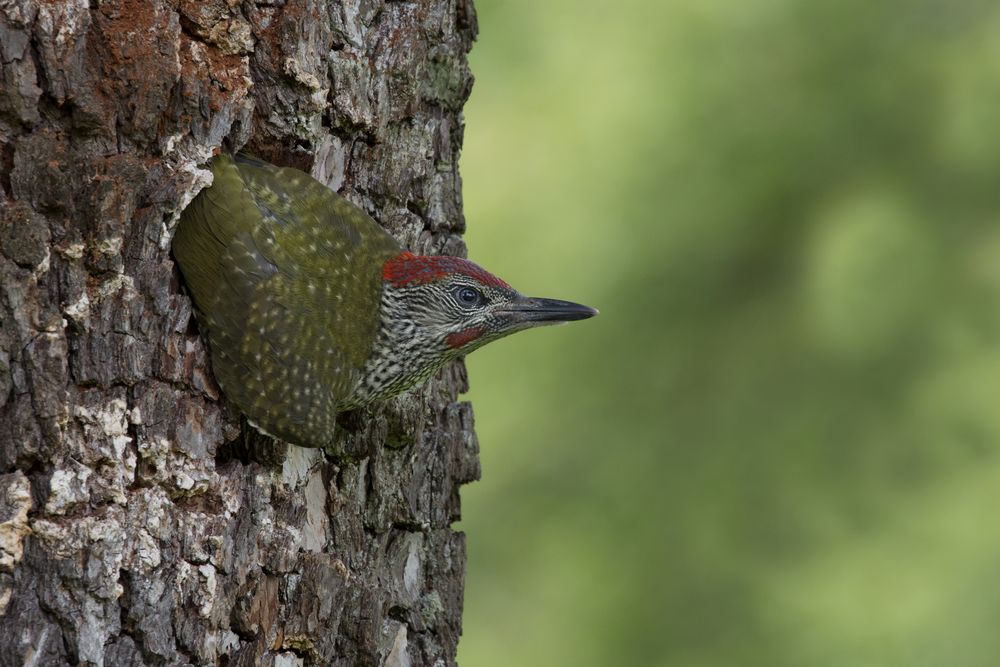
<point>401,356</point>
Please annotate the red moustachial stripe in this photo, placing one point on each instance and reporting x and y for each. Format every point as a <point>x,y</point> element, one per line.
<point>406,269</point>
<point>460,338</point>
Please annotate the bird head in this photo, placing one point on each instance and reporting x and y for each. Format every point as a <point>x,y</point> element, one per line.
<point>437,308</point>
<point>457,306</point>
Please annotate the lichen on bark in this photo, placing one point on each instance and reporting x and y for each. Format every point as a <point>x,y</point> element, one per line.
<point>139,522</point>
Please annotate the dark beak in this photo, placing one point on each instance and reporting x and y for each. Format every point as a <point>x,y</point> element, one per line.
<point>532,309</point>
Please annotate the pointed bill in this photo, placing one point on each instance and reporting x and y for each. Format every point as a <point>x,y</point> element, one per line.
<point>547,311</point>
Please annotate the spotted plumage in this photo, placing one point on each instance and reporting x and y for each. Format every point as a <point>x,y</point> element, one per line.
<point>311,308</point>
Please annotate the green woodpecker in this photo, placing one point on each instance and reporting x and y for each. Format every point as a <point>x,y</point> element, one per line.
<point>310,308</point>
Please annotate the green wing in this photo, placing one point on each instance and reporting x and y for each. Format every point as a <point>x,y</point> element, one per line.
<point>286,279</point>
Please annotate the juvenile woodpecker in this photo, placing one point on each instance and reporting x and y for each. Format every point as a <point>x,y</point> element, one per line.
<point>311,308</point>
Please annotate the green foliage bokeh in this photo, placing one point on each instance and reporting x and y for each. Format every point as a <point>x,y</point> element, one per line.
<point>779,444</point>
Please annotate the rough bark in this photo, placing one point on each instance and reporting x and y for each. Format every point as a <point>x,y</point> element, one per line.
<point>140,523</point>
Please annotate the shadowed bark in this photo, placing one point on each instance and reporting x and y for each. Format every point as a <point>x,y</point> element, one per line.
<point>140,522</point>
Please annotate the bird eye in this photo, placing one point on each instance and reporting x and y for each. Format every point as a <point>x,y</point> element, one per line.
<point>467,296</point>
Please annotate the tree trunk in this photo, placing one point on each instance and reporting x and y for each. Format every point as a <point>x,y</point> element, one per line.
<point>140,522</point>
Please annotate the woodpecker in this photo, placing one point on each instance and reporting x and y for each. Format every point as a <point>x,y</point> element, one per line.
<point>310,308</point>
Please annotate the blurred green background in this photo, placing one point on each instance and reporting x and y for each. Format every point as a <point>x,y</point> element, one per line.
<point>779,444</point>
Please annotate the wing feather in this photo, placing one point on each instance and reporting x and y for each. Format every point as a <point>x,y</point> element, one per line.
<point>286,280</point>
